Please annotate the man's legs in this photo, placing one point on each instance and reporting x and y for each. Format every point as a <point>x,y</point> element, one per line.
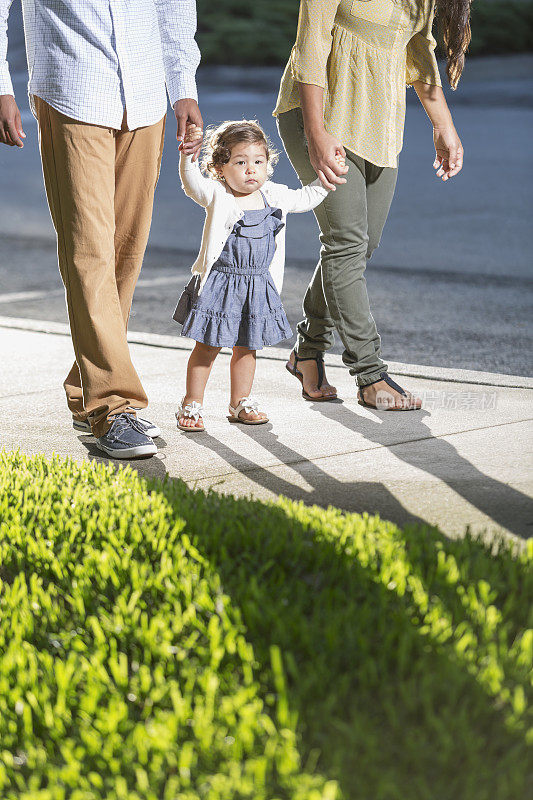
<point>79,172</point>
<point>348,219</point>
<point>137,162</point>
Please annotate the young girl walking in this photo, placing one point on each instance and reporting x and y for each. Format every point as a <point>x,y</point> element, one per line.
<point>233,299</point>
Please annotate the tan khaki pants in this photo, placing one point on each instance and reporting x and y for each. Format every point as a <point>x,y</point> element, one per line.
<point>100,185</point>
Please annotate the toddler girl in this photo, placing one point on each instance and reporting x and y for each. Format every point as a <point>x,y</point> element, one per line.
<point>233,299</point>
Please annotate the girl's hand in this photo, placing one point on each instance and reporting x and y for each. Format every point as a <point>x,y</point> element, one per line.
<point>193,133</point>
<point>448,152</point>
<point>327,156</point>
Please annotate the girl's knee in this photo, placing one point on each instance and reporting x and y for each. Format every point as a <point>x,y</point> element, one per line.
<point>205,352</point>
<point>207,348</point>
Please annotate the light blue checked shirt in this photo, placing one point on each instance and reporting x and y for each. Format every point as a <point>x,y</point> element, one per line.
<point>91,59</point>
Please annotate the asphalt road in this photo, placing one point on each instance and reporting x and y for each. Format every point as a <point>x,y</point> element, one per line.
<point>451,284</point>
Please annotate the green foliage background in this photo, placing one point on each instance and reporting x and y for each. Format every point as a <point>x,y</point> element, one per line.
<point>262,32</point>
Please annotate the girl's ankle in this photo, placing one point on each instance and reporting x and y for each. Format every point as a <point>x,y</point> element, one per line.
<point>234,402</point>
<point>188,399</point>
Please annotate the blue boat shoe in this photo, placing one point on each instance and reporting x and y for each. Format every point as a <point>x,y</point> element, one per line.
<point>126,439</point>
<point>149,428</point>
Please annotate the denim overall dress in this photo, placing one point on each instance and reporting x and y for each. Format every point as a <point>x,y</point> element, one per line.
<point>239,303</point>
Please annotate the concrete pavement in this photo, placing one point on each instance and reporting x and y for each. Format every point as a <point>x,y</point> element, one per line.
<point>465,460</point>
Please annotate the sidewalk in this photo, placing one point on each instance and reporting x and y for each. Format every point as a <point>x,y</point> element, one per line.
<point>463,460</point>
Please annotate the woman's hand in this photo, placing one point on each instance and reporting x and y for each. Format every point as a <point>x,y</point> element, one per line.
<point>448,152</point>
<point>327,155</point>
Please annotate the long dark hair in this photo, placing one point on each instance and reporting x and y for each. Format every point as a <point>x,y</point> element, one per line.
<point>454,27</point>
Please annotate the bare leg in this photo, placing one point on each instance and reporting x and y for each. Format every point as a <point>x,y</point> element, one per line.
<point>199,367</point>
<point>242,371</point>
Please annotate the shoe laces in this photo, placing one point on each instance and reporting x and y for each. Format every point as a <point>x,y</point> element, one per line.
<point>121,422</point>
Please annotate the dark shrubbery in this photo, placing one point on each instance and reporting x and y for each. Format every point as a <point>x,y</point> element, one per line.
<point>263,32</point>
<point>501,27</point>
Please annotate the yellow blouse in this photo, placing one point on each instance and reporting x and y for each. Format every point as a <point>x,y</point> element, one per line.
<point>363,53</point>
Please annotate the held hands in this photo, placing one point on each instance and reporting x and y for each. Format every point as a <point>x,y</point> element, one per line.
<point>11,132</point>
<point>327,156</point>
<point>187,113</point>
<point>192,140</point>
<point>192,133</point>
<point>448,152</point>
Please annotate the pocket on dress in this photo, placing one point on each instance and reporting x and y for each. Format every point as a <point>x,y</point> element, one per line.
<point>377,11</point>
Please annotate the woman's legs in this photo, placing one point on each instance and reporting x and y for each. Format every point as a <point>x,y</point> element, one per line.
<point>199,367</point>
<point>339,283</point>
<point>242,372</point>
<point>351,220</point>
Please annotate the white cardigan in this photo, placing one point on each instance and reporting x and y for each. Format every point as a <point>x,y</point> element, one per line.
<point>222,212</point>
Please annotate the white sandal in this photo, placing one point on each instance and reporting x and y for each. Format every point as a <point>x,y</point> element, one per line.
<point>190,411</point>
<point>250,405</point>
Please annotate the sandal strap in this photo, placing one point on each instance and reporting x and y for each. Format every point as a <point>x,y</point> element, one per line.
<point>191,410</point>
<point>320,369</point>
<point>248,404</point>
<point>384,376</point>
<point>387,378</point>
<point>319,359</point>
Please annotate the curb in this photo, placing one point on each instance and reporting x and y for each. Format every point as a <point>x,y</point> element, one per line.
<point>443,374</point>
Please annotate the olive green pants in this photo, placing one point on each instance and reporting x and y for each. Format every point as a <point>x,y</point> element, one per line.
<point>351,221</point>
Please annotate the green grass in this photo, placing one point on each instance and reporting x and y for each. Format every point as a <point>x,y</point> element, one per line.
<point>263,32</point>
<point>157,642</point>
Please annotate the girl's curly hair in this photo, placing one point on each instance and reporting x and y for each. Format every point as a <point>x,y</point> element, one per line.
<point>221,139</point>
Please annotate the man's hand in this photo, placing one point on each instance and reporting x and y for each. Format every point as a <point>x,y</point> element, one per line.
<point>11,132</point>
<point>187,111</point>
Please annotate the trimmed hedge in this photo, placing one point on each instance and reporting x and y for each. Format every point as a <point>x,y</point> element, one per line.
<point>501,27</point>
<point>263,32</point>
<point>158,642</point>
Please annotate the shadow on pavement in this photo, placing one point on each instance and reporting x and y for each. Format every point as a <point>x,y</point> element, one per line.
<point>505,506</point>
<point>490,496</point>
<point>356,496</point>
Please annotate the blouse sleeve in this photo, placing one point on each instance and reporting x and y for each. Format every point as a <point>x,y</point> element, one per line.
<point>314,37</point>
<point>421,62</point>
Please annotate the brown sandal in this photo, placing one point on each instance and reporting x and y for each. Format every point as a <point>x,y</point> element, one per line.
<point>384,376</point>
<point>293,369</point>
